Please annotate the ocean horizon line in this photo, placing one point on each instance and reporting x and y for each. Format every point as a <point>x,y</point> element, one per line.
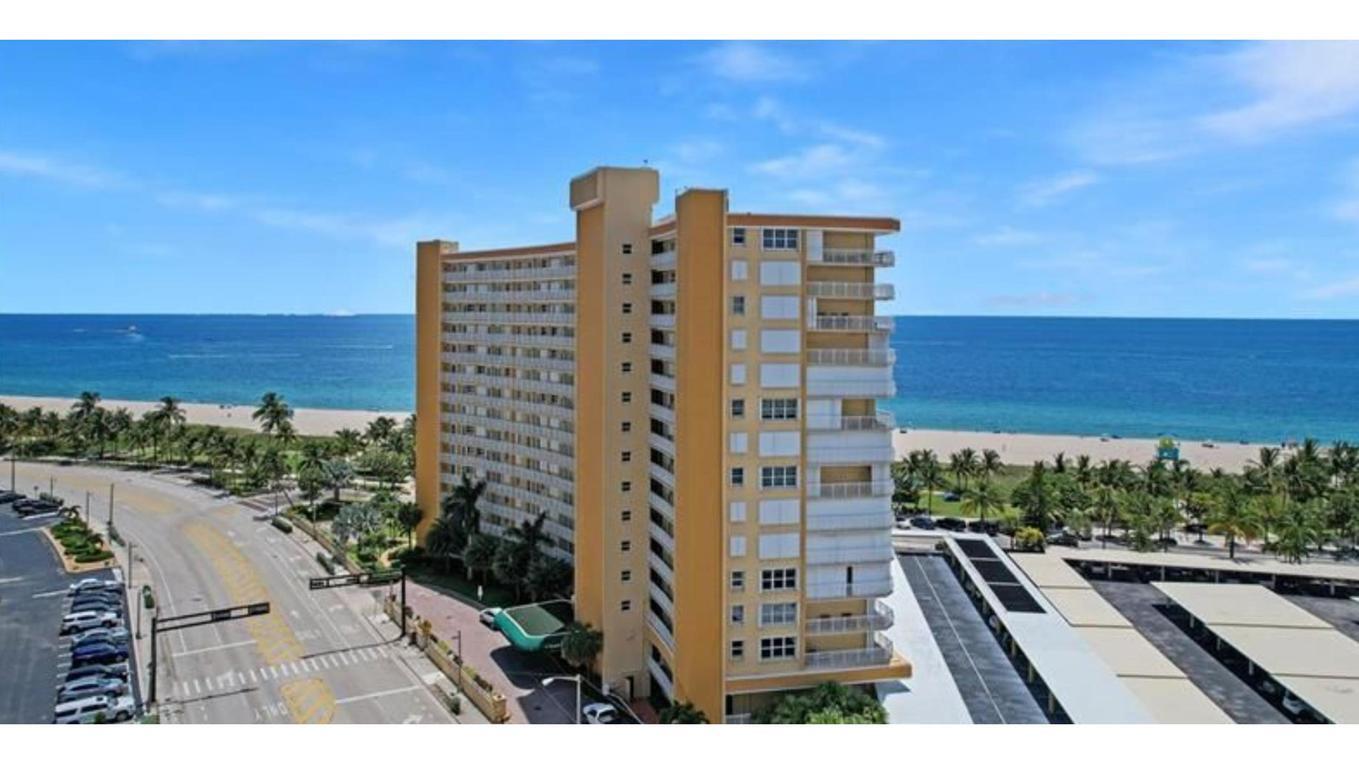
<point>389,314</point>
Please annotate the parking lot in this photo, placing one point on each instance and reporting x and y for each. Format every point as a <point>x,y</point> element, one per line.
<point>1141,604</point>
<point>990,686</point>
<point>34,658</point>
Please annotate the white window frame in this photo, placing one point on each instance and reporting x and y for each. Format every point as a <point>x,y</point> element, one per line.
<point>778,239</point>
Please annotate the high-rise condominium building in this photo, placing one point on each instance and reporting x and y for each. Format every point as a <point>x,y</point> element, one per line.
<point>691,402</point>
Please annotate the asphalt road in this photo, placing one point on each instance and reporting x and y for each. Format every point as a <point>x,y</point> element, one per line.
<point>317,657</point>
<point>990,686</point>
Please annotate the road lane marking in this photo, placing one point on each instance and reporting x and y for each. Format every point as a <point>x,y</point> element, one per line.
<point>53,593</point>
<point>214,648</point>
<point>196,689</point>
<point>380,694</point>
<point>252,676</point>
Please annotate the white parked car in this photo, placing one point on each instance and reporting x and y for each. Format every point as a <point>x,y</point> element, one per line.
<point>599,713</point>
<point>117,635</point>
<point>94,584</point>
<point>106,708</point>
<point>88,619</point>
<point>90,687</point>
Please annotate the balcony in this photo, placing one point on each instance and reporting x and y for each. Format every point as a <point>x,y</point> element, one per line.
<point>880,654</point>
<point>850,357</point>
<point>511,274</point>
<point>737,719</point>
<point>850,382</point>
<point>882,258</point>
<point>661,678</point>
<point>658,626</point>
<point>663,352</point>
<point>846,290</point>
<point>850,323</point>
<point>831,554</point>
<point>664,291</point>
<point>851,490</point>
<point>880,619</point>
<point>844,447</point>
<point>663,320</point>
<point>843,591</point>
<point>883,420</point>
<point>665,261</point>
<point>874,520</point>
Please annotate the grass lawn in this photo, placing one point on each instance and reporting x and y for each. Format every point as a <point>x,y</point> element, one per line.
<point>494,595</point>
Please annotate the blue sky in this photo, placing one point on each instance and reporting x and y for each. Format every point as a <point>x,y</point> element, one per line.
<point>1126,179</point>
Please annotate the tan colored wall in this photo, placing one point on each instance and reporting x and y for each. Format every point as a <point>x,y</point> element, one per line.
<point>700,511</point>
<point>619,212</point>
<point>429,257</point>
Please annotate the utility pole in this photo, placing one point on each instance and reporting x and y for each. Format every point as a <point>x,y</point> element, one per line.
<point>458,638</point>
<point>128,573</point>
<point>12,484</point>
<point>51,485</point>
<point>87,508</point>
<point>110,506</point>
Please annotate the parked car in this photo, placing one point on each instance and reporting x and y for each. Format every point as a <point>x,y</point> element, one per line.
<point>106,671</point>
<point>117,635</point>
<point>9,496</point>
<point>87,619</point>
<point>96,709</point>
<point>35,507</point>
<point>96,603</point>
<point>98,652</point>
<point>923,522</point>
<point>600,713</point>
<point>952,496</point>
<point>1063,537</point>
<point>487,616</point>
<point>989,527</point>
<point>110,599</point>
<point>95,584</point>
<point>90,687</point>
<point>955,524</point>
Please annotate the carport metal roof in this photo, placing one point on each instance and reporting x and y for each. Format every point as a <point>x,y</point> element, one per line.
<point>1317,570</point>
<point>1304,654</point>
<point>1088,690</point>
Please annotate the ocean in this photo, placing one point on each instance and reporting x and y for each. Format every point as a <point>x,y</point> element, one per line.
<point>1226,380</point>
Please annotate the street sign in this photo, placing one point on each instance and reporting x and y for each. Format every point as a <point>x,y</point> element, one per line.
<point>354,579</point>
<point>212,616</point>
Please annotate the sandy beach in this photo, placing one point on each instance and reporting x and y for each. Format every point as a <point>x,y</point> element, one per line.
<point>1025,449</point>
<point>307,421</point>
<point>1014,448</point>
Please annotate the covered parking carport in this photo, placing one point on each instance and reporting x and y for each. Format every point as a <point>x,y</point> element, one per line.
<point>1295,659</point>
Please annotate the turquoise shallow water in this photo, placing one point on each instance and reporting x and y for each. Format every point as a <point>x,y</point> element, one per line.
<point>1219,379</point>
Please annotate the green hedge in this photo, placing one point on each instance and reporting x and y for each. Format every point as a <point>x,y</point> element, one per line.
<point>99,556</point>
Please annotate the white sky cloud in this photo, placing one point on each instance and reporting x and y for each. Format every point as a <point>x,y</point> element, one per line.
<point>54,169</point>
<point>751,62</point>
<point>1343,288</point>
<point>1041,193</point>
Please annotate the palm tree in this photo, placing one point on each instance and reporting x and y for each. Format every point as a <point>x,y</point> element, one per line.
<point>683,713</point>
<point>581,644</point>
<point>1299,530</point>
<point>409,517</point>
<point>273,414</point>
<point>380,430</point>
<point>982,497</point>
<point>348,443</point>
<point>962,464</point>
<point>86,405</point>
<point>1107,504</point>
<point>1232,516</point>
<point>478,555</point>
<point>931,477</point>
<point>991,464</point>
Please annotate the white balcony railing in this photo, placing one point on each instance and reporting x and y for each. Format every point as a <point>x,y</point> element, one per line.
<point>882,420</point>
<point>664,291</point>
<point>848,290</point>
<point>737,719</point>
<point>511,274</point>
<point>840,590</point>
<point>850,521</point>
<point>846,555</point>
<point>850,323</point>
<point>663,320</point>
<point>883,258</point>
<point>665,261</point>
<point>850,357</point>
<point>851,490</point>
<point>880,619</point>
<point>880,654</point>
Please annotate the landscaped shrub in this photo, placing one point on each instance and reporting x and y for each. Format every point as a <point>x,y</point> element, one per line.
<point>99,556</point>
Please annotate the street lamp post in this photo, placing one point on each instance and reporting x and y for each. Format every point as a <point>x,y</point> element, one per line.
<point>577,679</point>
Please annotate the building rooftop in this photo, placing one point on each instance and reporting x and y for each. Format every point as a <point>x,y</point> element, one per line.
<point>1319,570</point>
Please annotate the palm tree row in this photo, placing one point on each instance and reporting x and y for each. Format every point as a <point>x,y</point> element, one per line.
<point>515,559</point>
<point>1296,504</point>
<point>239,461</point>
